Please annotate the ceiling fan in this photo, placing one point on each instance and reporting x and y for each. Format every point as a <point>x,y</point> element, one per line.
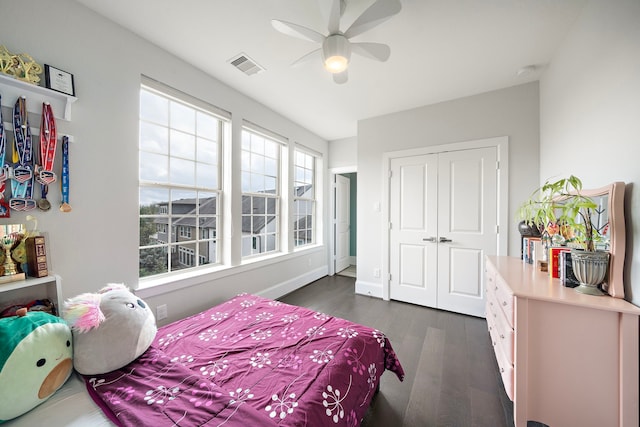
<point>336,49</point>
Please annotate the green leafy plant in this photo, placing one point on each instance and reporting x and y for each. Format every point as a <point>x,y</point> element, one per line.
<point>559,207</point>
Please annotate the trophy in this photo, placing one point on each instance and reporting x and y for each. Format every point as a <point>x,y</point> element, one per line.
<point>7,242</point>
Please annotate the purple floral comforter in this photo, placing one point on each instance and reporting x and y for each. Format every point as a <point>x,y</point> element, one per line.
<point>250,362</point>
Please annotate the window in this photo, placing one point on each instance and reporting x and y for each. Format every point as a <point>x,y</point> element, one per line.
<point>304,203</point>
<point>179,178</point>
<point>260,193</point>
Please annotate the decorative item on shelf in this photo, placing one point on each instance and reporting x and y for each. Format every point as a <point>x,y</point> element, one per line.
<point>5,60</point>
<point>7,242</point>
<point>567,216</point>
<point>36,256</point>
<point>21,66</point>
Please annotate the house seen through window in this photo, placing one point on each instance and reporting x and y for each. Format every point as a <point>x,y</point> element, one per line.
<point>303,198</point>
<point>181,144</point>
<point>179,154</point>
<point>260,194</point>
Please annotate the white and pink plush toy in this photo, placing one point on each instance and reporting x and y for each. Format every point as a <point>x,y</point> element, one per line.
<point>111,328</point>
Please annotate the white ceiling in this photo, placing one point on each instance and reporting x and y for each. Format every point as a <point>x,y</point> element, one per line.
<point>440,50</point>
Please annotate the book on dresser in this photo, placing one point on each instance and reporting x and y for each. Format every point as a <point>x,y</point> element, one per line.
<point>565,267</point>
<point>554,260</point>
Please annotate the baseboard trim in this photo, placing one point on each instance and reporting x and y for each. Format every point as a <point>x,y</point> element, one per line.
<point>369,288</point>
<point>284,288</point>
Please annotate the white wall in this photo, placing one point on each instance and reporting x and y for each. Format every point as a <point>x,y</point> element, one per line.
<point>343,153</point>
<point>511,112</point>
<point>590,112</point>
<point>98,241</point>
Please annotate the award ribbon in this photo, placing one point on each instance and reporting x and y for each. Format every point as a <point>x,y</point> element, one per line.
<point>22,182</point>
<point>48,142</point>
<point>5,212</point>
<point>64,182</point>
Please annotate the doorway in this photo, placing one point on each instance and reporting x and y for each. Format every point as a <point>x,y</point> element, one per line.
<point>345,224</point>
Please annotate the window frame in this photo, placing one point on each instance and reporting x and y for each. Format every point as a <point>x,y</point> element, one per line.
<point>178,239</point>
<point>296,199</point>
<point>251,197</point>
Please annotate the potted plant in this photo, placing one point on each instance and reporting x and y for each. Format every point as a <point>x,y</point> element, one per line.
<point>564,216</point>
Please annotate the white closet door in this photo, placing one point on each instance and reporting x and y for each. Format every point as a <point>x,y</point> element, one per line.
<point>413,234</point>
<point>467,219</point>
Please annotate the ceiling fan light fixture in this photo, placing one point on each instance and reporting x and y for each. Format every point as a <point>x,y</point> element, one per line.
<point>336,64</point>
<point>336,52</point>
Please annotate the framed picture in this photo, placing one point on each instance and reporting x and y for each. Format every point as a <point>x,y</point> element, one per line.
<point>59,80</point>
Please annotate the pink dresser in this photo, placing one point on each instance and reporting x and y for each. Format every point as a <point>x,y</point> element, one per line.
<point>566,359</point>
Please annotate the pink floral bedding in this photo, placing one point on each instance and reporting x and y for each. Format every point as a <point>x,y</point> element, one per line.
<point>250,362</point>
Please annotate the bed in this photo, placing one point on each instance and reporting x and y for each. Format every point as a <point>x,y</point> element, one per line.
<point>249,362</point>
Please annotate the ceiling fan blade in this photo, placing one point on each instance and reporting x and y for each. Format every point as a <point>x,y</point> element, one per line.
<point>376,14</point>
<point>378,51</point>
<point>297,31</point>
<point>313,55</point>
<point>341,78</point>
<point>332,10</point>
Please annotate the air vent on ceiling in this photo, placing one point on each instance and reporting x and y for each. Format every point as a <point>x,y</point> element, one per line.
<point>245,64</point>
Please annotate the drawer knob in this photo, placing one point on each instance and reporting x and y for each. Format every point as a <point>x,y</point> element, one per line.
<point>501,336</point>
<point>504,303</point>
<point>490,328</point>
<point>496,288</point>
<point>502,370</point>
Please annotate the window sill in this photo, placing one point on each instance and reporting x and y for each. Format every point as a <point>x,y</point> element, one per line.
<point>157,286</point>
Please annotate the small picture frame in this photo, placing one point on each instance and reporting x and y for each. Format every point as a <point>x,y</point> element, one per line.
<point>59,80</point>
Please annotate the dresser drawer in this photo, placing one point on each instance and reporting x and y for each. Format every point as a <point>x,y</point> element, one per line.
<point>504,365</point>
<point>503,332</point>
<point>504,296</point>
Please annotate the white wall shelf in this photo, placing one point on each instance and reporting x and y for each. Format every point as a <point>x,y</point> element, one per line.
<point>11,89</point>
<point>32,288</point>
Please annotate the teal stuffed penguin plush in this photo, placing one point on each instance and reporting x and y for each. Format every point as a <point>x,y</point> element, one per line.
<point>35,360</point>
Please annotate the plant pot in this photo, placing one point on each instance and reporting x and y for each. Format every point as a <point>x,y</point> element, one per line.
<point>527,230</point>
<point>590,268</point>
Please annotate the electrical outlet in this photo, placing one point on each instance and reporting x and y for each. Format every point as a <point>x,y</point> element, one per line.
<point>161,312</point>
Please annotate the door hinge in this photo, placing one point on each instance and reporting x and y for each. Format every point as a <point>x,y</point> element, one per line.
<point>497,228</point>
<point>390,173</point>
<point>390,225</point>
<point>498,165</point>
<point>389,277</point>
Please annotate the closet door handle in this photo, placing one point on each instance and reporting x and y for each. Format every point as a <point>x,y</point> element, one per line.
<point>429,239</point>
<point>445,240</point>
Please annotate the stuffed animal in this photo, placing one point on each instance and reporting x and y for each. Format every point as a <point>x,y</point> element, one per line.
<point>35,360</point>
<point>111,328</point>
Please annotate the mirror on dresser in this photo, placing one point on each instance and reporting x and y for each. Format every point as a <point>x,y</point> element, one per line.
<point>609,220</point>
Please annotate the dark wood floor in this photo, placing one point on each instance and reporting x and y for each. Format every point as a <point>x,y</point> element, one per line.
<point>452,377</point>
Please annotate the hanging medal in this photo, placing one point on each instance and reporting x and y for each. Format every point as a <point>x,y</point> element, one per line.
<point>64,181</point>
<point>48,141</point>
<point>22,175</point>
<point>5,212</point>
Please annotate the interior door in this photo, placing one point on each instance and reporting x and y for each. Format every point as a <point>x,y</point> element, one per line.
<point>413,233</point>
<point>342,225</point>
<point>467,219</point>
